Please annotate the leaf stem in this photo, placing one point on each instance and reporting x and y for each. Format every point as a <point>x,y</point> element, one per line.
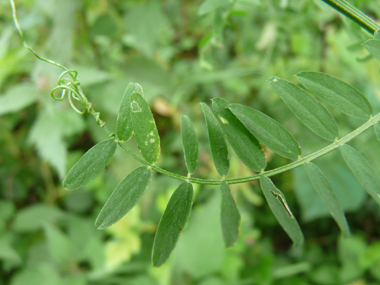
<point>354,14</point>
<point>297,163</point>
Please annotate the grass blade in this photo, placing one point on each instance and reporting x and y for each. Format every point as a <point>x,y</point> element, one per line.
<point>325,190</point>
<point>124,197</point>
<point>90,165</point>
<point>245,145</point>
<point>268,131</point>
<point>281,211</point>
<point>306,108</point>
<point>362,170</point>
<point>172,223</point>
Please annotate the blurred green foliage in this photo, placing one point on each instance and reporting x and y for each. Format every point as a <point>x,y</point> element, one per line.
<point>182,53</point>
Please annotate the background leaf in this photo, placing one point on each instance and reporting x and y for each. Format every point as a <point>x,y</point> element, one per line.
<point>325,190</point>
<point>90,165</point>
<point>377,130</point>
<point>229,216</point>
<point>307,109</point>
<point>189,143</point>
<point>124,128</point>
<point>172,223</point>
<point>124,197</point>
<point>362,170</point>
<point>268,131</point>
<point>337,93</point>
<point>373,47</point>
<point>17,98</point>
<point>245,145</point>
<point>146,134</point>
<point>218,146</point>
<point>280,210</point>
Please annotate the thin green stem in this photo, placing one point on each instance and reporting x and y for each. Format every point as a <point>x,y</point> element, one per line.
<point>354,14</point>
<point>24,42</point>
<point>268,173</point>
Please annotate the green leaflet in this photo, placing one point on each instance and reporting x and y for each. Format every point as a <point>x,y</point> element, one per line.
<point>245,145</point>
<point>373,47</point>
<point>124,129</point>
<point>229,216</point>
<point>281,211</point>
<point>268,131</point>
<point>125,196</point>
<point>218,146</point>
<point>377,130</point>
<point>90,165</point>
<point>172,223</point>
<point>190,144</point>
<point>362,171</point>
<point>325,190</point>
<point>146,134</point>
<point>337,93</point>
<point>307,109</point>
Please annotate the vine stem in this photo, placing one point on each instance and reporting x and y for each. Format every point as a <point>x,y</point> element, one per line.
<point>373,120</point>
<point>354,14</point>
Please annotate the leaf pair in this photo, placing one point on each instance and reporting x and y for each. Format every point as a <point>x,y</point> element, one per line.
<point>329,89</point>
<point>135,117</point>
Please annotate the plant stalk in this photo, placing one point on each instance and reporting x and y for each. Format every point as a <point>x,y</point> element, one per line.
<point>354,14</point>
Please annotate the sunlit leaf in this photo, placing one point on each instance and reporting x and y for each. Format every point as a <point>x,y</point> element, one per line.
<point>190,144</point>
<point>218,146</point>
<point>373,47</point>
<point>245,145</point>
<point>172,223</point>
<point>307,109</point>
<point>211,5</point>
<point>90,165</point>
<point>281,211</point>
<point>325,190</point>
<point>337,93</point>
<point>145,130</point>
<point>124,128</point>
<point>362,170</point>
<point>268,131</point>
<point>124,197</point>
<point>229,216</point>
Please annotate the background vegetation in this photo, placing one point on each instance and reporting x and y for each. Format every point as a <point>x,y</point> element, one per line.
<point>182,53</point>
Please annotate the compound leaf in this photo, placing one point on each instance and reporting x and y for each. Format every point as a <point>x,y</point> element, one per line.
<point>337,93</point>
<point>307,109</point>
<point>362,170</point>
<point>172,223</point>
<point>245,145</point>
<point>325,190</point>
<point>124,197</point>
<point>218,146</point>
<point>373,47</point>
<point>268,131</point>
<point>146,134</point>
<point>90,165</point>
<point>281,211</point>
<point>124,128</point>
<point>229,216</point>
<point>190,144</point>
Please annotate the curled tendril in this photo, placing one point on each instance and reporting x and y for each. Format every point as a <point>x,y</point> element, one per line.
<point>71,86</point>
